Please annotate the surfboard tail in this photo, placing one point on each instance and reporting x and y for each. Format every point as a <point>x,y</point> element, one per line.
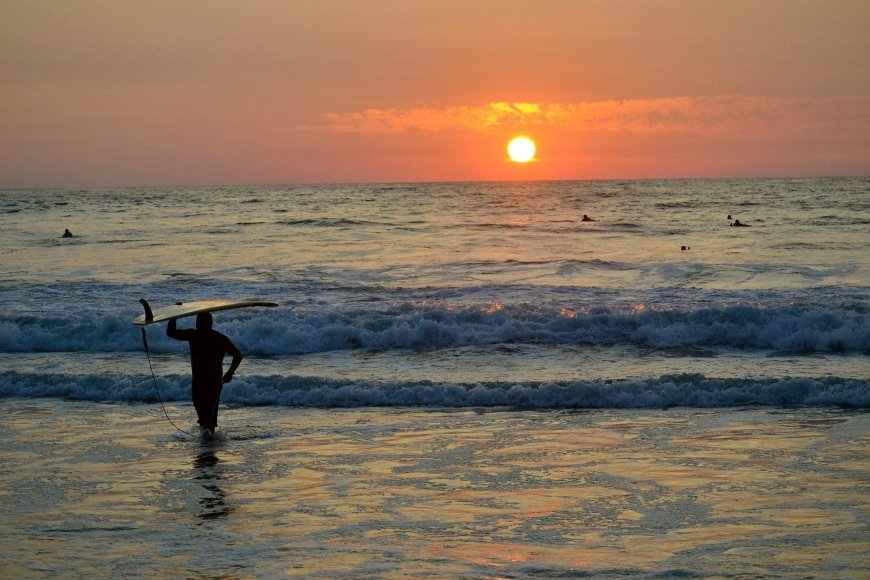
<point>149,316</point>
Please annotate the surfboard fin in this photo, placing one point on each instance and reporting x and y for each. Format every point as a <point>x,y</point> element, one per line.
<point>149,316</point>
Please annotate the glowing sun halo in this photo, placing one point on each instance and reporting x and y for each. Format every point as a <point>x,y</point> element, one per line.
<point>521,149</point>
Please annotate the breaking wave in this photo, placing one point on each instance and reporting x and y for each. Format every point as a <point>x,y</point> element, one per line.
<point>689,390</point>
<point>436,325</point>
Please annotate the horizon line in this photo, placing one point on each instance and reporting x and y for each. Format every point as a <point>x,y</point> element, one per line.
<point>436,181</point>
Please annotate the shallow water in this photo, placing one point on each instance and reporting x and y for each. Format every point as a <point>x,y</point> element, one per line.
<point>106,489</point>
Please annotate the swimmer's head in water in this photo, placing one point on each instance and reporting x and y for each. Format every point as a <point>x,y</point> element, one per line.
<point>204,321</point>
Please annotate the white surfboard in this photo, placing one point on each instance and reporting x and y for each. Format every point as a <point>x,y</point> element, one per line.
<point>182,309</point>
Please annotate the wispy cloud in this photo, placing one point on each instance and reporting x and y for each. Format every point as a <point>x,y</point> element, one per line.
<point>710,115</point>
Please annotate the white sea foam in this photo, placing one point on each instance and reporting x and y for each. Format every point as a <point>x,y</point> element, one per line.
<point>285,332</point>
<point>296,391</point>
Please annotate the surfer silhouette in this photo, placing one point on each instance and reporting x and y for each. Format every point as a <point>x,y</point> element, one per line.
<point>67,234</point>
<point>586,218</point>
<point>207,350</point>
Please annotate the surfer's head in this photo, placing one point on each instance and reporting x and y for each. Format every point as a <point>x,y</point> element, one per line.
<point>204,321</point>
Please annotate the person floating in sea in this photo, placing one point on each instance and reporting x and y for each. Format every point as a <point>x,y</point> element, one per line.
<point>586,218</point>
<point>67,234</point>
<point>737,224</point>
<point>207,350</point>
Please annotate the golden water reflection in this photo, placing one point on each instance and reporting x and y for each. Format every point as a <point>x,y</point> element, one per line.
<point>405,493</point>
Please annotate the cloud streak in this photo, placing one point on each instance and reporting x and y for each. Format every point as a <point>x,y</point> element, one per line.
<point>708,115</point>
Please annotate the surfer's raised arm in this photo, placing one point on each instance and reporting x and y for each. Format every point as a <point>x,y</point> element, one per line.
<point>173,332</point>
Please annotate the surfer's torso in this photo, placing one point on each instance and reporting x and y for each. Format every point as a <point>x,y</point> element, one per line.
<point>207,351</point>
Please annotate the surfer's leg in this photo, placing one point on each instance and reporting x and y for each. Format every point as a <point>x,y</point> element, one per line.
<point>206,400</point>
<point>215,402</point>
<point>201,402</point>
<point>210,401</point>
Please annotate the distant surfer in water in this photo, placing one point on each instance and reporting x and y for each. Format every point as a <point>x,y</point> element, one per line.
<point>586,218</point>
<point>207,350</point>
<point>67,234</point>
<point>737,224</point>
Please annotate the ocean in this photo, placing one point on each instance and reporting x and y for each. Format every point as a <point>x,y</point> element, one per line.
<point>462,379</point>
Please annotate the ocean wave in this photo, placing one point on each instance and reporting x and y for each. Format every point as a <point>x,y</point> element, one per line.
<point>332,222</point>
<point>296,391</point>
<point>496,226</point>
<point>437,324</point>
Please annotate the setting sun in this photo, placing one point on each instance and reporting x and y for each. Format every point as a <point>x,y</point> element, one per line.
<point>521,149</point>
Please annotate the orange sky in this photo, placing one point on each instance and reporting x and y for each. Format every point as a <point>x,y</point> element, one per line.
<point>136,92</point>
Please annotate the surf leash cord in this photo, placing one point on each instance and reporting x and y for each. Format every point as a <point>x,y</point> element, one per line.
<point>154,380</point>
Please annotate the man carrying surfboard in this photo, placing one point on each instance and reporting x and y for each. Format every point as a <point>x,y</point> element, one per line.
<point>207,350</point>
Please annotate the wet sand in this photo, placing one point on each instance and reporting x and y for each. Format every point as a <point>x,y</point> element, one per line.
<point>113,489</point>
